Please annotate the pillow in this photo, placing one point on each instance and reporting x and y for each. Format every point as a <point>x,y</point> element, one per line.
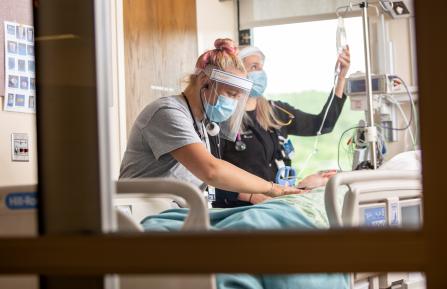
<point>407,161</point>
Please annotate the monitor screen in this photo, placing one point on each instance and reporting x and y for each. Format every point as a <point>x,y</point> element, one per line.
<point>374,216</point>
<point>411,216</point>
<point>359,85</point>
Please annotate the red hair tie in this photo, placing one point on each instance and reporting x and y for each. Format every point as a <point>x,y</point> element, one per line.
<point>231,50</point>
<point>225,45</point>
<point>203,61</point>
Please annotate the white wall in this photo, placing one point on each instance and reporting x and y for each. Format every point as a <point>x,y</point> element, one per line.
<point>215,19</point>
<point>400,34</point>
<point>17,173</point>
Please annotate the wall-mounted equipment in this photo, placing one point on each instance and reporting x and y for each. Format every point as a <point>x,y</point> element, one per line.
<point>19,147</point>
<point>398,9</point>
<point>245,37</point>
<point>381,84</point>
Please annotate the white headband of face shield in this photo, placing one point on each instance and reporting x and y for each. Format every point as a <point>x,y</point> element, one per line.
<point>250,50</point>
<point>231,79</point>
<point>227,78</point>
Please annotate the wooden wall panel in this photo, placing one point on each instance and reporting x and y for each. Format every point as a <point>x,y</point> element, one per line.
<point>160,50</point>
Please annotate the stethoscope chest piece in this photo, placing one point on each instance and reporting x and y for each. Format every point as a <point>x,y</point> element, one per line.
<point>239,144</point>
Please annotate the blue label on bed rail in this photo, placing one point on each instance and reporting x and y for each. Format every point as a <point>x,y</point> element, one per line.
<point>375,217</point>
<point>21,201</point>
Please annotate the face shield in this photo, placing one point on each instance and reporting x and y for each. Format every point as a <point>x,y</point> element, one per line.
<point>225,101</point>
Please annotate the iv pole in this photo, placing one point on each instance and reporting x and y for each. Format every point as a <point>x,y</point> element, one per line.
<point>370,130</point>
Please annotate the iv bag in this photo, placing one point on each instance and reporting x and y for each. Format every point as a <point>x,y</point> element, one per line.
<point>341,35</point>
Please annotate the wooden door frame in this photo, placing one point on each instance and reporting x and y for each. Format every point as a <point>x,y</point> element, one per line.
<point>326,251</point>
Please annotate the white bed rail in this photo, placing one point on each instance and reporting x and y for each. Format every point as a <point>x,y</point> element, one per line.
<point>383,180</point>
<point>197,218</point>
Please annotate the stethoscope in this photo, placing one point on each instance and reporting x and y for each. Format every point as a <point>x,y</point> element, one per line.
<point>211,127</point>
<point>242,146</point>
<point>239,145</point>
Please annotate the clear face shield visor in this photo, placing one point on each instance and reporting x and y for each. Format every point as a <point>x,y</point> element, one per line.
<point>226,100</point>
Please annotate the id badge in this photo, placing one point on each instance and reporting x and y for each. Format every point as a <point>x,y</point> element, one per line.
<point>288,148</point>
<point>211,194</point>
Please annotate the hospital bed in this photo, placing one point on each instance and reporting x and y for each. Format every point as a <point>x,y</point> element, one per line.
<point>380,198</point>
<point>375,199</point>
<point>136,198</point>
<point>371,199</point>
<point>18,218</point>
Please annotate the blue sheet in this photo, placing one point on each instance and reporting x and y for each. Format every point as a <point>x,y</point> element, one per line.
<point>271,215</point>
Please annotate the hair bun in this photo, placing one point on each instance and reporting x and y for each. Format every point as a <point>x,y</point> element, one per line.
<point>225,44</point>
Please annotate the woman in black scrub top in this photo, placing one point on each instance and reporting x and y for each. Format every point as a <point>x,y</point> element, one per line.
<point>258,148</point>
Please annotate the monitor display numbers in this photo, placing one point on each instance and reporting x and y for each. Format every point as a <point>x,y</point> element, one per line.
<point>374,217</point>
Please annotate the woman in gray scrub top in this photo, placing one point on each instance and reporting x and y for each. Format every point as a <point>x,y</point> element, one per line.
<point>170,136</point>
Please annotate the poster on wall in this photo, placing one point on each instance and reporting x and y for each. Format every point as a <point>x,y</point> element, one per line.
<point>20,81</point>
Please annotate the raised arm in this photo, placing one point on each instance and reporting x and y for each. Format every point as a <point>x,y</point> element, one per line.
<point>306,124</point>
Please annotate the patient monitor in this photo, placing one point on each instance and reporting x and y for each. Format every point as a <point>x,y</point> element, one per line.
<point>406,213</point>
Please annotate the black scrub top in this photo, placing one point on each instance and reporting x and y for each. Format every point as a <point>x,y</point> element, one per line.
<point>262,147</point>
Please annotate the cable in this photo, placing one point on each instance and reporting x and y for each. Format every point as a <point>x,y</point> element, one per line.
<point>394,101</point>
<point>413,113</point>
<point>339,142</point>
<point>219,153</point>
<point>399,107</point>
<point>316,142</point>
<point>413,105</point>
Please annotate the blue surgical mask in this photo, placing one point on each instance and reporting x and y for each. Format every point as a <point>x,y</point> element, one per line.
<point>222,110</point>
<point>259,78</point>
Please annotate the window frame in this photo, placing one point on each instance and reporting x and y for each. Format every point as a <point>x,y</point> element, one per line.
<point>326,251</point>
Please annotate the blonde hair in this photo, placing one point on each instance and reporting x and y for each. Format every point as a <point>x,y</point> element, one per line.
<point>223,56</point>
<point>265,116</point>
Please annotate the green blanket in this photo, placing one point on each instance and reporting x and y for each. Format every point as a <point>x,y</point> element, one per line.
<point>311,205</point>
<point>294,212</point>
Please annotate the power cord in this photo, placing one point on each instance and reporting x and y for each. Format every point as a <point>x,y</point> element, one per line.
<point>413,113</point>
<point>339,142</point>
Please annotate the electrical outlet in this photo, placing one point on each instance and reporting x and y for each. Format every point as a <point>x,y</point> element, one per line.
<point>19,147</point>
